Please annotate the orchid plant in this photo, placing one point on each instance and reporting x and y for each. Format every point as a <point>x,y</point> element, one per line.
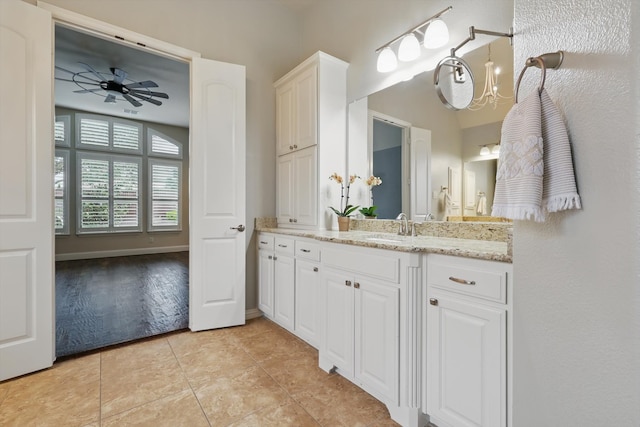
<point>372,181</point>
<point>345,208</point>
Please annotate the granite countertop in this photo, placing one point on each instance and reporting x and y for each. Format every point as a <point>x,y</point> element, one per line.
<point>469,248</point>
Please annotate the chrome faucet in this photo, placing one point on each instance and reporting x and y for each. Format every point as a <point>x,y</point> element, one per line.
<point>403,228</point>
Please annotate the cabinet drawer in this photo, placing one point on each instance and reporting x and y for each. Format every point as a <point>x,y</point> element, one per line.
<point>480,280</point>
<point>307,250</point>
<point>265,241</point>
<point>284,245</point>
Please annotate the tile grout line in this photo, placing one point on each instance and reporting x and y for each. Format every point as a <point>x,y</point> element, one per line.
<point>186,377</point>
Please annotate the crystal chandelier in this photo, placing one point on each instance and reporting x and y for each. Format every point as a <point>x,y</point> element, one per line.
<point>490,94</point>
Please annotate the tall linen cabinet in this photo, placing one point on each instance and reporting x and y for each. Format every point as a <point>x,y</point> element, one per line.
<point>311,141</point>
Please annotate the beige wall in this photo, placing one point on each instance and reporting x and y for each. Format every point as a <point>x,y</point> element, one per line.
<point>79,245</point>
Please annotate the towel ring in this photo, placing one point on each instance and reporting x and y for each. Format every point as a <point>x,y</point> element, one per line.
<point>542,78</point>
<point>552,60</point>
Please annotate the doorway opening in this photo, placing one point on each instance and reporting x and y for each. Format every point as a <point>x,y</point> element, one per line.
<point>121,192</point>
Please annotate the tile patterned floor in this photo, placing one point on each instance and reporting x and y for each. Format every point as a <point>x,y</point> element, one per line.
<point>253,375</point>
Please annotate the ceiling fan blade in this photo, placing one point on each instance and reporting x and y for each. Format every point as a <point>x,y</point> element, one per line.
<point>64,69</point>
<point>131,100</point>
<point>92,71</point>
<point>146,98</point>
<point>146,83</point>
<point>98,89</point>
<point>150,93</point>
<point>118,75</point>
<point>110,98</point>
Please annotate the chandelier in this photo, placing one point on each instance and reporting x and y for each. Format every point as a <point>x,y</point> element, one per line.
<point>490,94</point>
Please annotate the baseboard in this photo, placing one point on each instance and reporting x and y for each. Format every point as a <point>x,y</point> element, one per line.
<point>120,252</point>
<point>252,313</point>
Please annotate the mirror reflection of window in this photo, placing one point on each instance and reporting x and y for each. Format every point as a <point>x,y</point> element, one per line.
<point>387,164</point>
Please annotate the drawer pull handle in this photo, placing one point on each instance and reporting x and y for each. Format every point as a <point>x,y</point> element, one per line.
<point>306,250</point>
<point>356,285</point>
<point>433,301</point>
<point>347,282</point>
<point>262,242</point>
<point>282,246</point>
<point>462,281</point>
<point>315,269</point>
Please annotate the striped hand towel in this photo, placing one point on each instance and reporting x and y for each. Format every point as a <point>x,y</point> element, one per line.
<point>519,179</point>
<point>560,192</point>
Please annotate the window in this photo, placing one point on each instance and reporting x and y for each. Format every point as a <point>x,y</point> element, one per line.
<point>108,193</point>
<point>160,145</point>
<point>105,133</point>
<point>61,131</point>
<point>60,191</point>
<point>164,195</point>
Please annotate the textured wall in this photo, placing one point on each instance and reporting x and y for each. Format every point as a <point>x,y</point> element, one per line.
<point>576,297</point>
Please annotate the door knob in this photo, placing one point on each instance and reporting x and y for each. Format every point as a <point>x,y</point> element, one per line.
<point>240,228</point>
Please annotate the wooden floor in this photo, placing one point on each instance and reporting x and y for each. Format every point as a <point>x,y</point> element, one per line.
<point>107,301</point>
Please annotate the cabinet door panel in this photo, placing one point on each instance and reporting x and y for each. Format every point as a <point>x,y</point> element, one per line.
<point>284,189</point>
<point>285,118</point>
<point>377,331</point>
<point>338,328</point>
<point>265,282</point>
<point>305,183</point>
<point>284,291</point>
<point>466,369</point>
<point>307,108</point>
<point>307,293</point>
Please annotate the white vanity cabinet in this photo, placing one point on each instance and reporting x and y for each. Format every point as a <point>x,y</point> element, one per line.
<point>466,335</point>
<point>265,273</point>
<point>307,291</point>
<point>289,283</point>
<point>284,283</point>
<point>311,123</point>
<point>365,336</point>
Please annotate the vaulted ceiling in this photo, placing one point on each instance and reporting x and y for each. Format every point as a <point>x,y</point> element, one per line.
<point>75,52</point>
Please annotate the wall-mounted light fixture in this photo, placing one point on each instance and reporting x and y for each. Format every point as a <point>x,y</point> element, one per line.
<point>435,35</point>
<point>485,151</point>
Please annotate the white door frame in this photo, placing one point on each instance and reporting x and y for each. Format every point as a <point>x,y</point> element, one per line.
<point>138,41</point>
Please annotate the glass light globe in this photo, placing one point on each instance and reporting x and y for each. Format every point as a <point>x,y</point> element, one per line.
<point>387,60</point>
<point>437,34</point>
<point>409,48</point>
<point>484,151</point>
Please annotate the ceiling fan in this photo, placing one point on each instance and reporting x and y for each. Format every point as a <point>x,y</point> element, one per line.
<point>92,81</point>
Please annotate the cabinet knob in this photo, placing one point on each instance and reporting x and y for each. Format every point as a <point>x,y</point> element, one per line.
<point>295,146</point>
<point>270,256</point>
<point>290,219</point>
<point>295,219</point>
<point>275,257</point>
<point>291,147</point>
<point>315,269</point>
<point>347,282</point>
<point>433,301</point>
<point>356,285</point>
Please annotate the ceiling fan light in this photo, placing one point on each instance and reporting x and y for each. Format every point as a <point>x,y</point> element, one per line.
<point>484,151</point>
<point>409,48</point>
<point>387,60</point>
<point>436,35</point>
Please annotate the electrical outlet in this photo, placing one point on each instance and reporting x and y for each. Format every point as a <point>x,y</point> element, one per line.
<point>151,239</point>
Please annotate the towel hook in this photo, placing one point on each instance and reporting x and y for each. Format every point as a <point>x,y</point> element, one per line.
<point>551,60</point>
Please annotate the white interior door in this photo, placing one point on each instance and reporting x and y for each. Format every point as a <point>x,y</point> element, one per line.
<point>26,187</point>
<point>217,194</point>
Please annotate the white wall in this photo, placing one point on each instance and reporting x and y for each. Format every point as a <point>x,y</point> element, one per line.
<point>576,298</point>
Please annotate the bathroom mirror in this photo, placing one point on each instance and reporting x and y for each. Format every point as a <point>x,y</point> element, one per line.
<point>455,138</point>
